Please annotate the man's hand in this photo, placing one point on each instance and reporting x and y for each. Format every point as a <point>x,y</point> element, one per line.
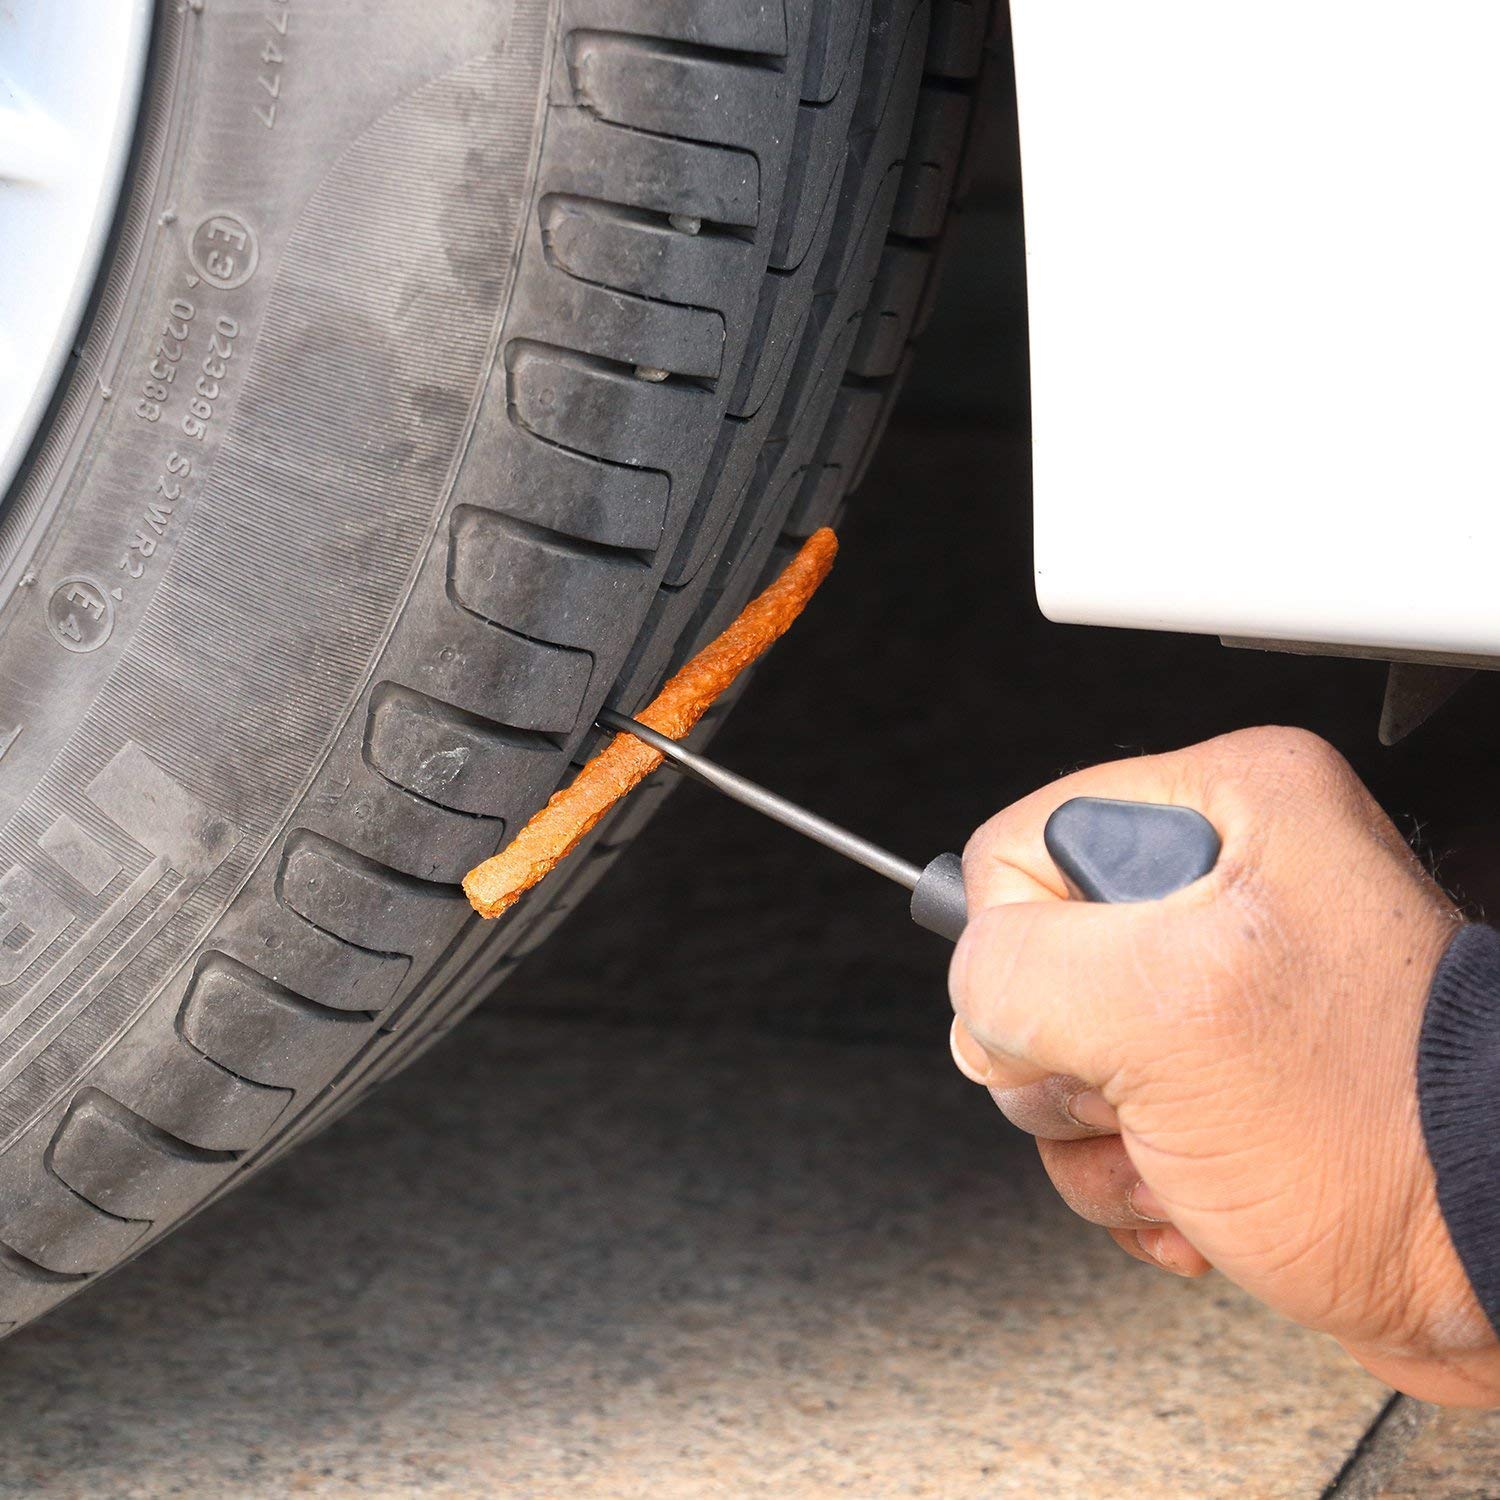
<point>1227,1078</point>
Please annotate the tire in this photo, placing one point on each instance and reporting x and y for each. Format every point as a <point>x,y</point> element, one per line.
<point>510,349</point>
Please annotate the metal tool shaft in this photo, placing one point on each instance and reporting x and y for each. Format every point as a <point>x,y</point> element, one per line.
<point>1106,851</point>
<point>850,845</point>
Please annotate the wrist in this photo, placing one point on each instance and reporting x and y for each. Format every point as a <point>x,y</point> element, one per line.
<point>1452,1355</point>
<point>1435,1340</point>
<point>1458,1082</point>
<point>1455,1378</point>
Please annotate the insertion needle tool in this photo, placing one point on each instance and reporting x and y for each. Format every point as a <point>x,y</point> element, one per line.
<point>937,890</point>
<point>1105,850</point>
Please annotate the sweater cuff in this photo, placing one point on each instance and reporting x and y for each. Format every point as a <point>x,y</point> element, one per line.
<point>1458,1089</point>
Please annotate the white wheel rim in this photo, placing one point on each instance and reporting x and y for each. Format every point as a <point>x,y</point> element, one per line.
<point>71,74</point>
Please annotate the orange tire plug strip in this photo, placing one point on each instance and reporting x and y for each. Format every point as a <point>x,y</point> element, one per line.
<point>496,885</point>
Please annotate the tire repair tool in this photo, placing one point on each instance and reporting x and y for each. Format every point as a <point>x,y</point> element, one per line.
<point>1105,850</point>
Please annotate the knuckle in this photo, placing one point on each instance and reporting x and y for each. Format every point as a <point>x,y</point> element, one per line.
<point>989,851</point>
<point>1040,1108</point>
<point>1024,1107</point>
<point>983,838</point>
<point>1297,754</point>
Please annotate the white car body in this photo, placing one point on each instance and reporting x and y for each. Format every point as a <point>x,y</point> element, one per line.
<point>1263,249</point>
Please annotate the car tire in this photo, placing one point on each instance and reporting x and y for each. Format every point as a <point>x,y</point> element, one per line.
<point>455,371</point>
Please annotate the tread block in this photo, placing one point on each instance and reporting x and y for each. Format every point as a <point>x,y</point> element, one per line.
<point>126,1166</point>
<point>549,587</point>
<point>183,1093</point>
<point>927,301</point>
<point>590,158</point>
<point>838,28</point>
<point>780,316</point>
<point>814,174</point>
<point>890,78</point>
<point>454,758</point>
<point>396,827</point>
<point>637,331</point>
<point>360,901</point>
<point>488,669</point>
<point>27,1289</point>
<point>564,491</point>
<point>818,497</point>
<point>736,457</point>
<point>599,409</point>
<point>14,1264</point>
<point>809,357</point>
<point>863,236</point>
<point>263,1031</point>
<point>757,26</point>
<point>754,535</point>
<point>48,1223</point>
<point>541,929</point>
<point>816,389</point>
<point>641,806</point>
<point>782,319</point>
<point>886,396</point>
<point>955,42</point>
<point>673,90</point>
<point>642,252</point>
<point>891,313</point>
<point>932,164</point>
<point>299,957</point>
<point>853,424</point>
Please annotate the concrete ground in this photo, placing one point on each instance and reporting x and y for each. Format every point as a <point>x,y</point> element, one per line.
<point>699,1206</point>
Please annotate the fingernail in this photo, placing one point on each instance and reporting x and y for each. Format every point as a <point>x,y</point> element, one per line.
<point>1154,1242</point>
<point>970,1058</point>
<point>1144,1204</point>
<point>1092,1110</point>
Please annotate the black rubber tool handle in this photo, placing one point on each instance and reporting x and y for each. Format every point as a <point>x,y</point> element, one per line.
<point>1129,851</point>
<point>1106,851</point>
<point>937,900</point>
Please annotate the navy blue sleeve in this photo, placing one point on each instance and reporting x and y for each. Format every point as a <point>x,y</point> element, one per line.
<point>1458,1090</point>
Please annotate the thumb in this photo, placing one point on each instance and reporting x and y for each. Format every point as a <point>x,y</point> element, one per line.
<point>1092,991</point>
